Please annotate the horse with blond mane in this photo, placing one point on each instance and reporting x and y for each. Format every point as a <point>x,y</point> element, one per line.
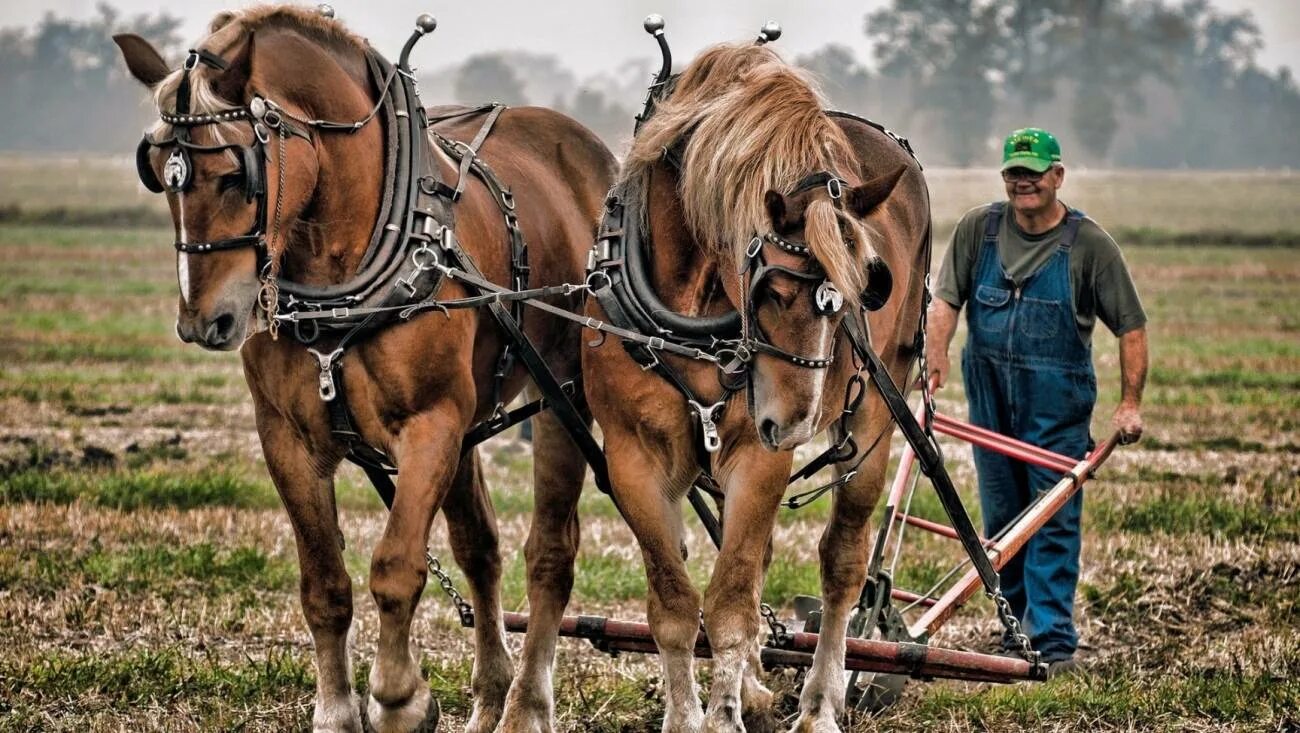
<point>773,225</point>
<point>299,168</point>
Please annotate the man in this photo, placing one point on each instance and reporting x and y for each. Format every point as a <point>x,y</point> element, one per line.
<point>1035,276</point>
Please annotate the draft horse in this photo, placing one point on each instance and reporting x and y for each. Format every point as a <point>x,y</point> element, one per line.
<point>313,195</point>
<point>770,226</point>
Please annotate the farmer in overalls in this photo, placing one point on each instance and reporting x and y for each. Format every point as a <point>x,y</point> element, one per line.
<point>1035,276</point>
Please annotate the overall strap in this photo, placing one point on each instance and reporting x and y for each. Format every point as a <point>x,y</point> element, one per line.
<point>1073,220</point>
<point>993,221</point>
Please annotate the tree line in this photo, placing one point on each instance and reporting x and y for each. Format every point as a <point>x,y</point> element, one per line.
<point>1125,83</point>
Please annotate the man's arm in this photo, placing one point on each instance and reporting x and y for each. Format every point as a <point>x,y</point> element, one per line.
<point>1133,378</point>
<point>941,324</point>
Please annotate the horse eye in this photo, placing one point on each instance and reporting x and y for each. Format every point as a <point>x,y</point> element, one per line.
<point>230,181</point>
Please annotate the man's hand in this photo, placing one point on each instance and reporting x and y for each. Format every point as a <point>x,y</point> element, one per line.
<point>939,365</point>
<point>1128,421</point>
<point>941,323</point>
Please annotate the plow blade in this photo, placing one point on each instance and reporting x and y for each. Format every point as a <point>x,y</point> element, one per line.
<point>865,655</point>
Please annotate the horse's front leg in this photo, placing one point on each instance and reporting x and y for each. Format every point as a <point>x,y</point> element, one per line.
<point>306,486</point>
<point>843,550</point>
<point>641,482</point>
<point>427,451</point>
<point>754,481</point>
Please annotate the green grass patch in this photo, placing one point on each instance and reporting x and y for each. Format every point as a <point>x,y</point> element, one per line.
<point>136,489</point>
<point>1224,379</point>
<point>1174,699</point>
<point>62,216</point>
<point>1196,514</point>
<point>154,568</point>
<point>1233,238</point>
<point>127,679</point>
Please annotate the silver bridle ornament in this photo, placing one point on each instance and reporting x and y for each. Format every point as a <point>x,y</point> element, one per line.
<point>176,170</point>
<point>828,298</point>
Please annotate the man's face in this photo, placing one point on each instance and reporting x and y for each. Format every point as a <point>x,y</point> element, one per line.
<point>1031,192</point>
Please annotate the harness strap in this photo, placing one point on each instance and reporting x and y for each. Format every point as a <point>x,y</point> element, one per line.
<point>471,149</point>
<point>550,387</point>
<point>927,455</point>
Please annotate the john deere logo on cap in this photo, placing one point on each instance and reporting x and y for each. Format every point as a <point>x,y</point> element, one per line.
<point>1030,148</point>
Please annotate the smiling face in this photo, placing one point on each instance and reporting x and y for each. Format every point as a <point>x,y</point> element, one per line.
<point>1032,193</point>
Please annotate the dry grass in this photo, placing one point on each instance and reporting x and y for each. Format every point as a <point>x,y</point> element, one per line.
<point>146,569</point>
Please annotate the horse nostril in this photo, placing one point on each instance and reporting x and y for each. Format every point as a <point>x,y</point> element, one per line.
<point>770,432</point>
<point>219,330</point>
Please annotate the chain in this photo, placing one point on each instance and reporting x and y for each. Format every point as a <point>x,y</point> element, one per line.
<point>780,636</point>
<point>463,609</point>
<point>269,295</point>
<point>1011,625</point>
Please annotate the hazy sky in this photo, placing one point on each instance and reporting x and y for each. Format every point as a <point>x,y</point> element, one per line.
<point>595,35</point>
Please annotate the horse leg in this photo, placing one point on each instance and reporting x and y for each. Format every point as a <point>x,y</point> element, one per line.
<point>755,699</point>
<point>428,453</point>
<point>306,487</point>
<point>552,546</point>
<point>472,529</point>
<point>754,480</point>
<point>638,481</point>
<point>843,550</point>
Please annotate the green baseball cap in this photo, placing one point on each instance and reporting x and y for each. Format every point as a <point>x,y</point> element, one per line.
<point>1030,148</point>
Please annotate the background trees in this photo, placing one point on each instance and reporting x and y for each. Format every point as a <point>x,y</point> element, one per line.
<point>1136,83</point>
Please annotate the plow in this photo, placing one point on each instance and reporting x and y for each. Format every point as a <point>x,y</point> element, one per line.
<point>902,650</point>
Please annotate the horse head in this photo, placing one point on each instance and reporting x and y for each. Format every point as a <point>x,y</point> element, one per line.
<point>770,190</point>
<point>244,173</point>
<point>813,267</point>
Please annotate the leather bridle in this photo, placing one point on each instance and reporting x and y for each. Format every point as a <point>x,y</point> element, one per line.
<point>755,269</point>
<point>266,120</point>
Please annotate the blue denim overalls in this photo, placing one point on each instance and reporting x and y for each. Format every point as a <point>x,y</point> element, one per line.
<point>1029,375</point>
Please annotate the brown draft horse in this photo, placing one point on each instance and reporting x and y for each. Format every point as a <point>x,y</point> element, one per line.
<point>414,388</point>
<point>752,128</point>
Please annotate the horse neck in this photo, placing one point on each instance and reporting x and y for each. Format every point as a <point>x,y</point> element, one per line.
<point>685,275</point>
<point>329,238</point>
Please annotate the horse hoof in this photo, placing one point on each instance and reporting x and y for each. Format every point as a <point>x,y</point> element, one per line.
<point>392,718</point>
<point>761,721</point>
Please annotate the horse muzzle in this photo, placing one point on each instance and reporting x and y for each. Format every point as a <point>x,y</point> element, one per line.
<point>224,331</point>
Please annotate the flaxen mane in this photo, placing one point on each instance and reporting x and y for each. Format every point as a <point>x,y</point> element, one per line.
<point>754,124</point>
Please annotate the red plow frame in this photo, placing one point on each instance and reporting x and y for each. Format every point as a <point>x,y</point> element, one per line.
<point>899,657</point>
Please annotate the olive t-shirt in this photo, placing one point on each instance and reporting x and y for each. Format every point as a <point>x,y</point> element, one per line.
<point>1099,276</point>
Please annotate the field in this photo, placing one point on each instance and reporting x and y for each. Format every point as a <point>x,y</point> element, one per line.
<point>148,577</point>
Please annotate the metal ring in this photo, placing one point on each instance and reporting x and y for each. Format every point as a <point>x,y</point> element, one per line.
<point>835,187</point>
<point>422,264</point>
<point>591,276</point>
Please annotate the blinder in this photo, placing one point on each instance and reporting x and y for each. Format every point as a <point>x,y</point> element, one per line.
<point>178,170</point>
<point>144,169</point>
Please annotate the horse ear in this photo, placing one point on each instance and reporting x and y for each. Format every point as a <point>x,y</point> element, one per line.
<point>231,83</point>
<point>865,198</point>
<point>775,203</point>
<point>142,59</point>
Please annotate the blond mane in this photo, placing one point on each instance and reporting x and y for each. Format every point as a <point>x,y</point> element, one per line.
<point>754,124</point>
